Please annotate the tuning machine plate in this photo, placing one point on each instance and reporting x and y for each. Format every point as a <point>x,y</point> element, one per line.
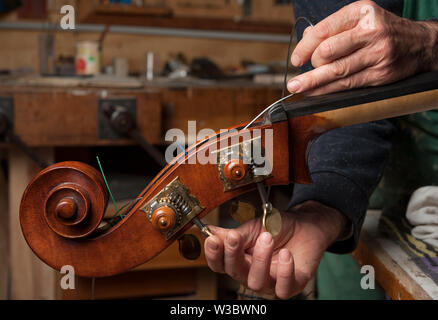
<point>237,166</point>
<point>172,208</point>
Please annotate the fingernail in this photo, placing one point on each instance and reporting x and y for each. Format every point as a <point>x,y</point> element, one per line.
<point>212,244</point>
<point>294,86</point>
<point>285,256</point>
<point>266,238</point>
<point>296,60</point>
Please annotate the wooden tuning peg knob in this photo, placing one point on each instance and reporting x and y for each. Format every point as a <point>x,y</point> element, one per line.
<point>189,247</point>
<point>235,170</point>
<point>163,218</point>
<point>66,209</point>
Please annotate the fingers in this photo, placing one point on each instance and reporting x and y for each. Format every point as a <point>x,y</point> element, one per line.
<point>224,251</point>
<point>345,19</point>
<point>235,263</point>
<point>361,79</point>
<point>284,287</point>
<point>338,46</point>
<point>261,262</point>
<point>214,253</point>
<point>331,72</point>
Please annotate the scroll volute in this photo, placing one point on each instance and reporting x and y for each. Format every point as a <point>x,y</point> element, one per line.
<point>72,197</point>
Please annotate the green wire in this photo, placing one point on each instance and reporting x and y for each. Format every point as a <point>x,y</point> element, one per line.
<point>106,182</point>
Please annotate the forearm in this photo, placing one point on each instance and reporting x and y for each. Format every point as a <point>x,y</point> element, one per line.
<point>346,165</point>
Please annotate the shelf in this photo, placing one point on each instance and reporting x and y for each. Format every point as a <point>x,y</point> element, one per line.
<point>130,10</point>
<point>127,15</point>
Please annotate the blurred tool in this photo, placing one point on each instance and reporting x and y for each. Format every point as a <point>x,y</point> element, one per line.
<point>46,44</point>
<point>123,123</point>
<point>121,67</point>
<point>150,66</point>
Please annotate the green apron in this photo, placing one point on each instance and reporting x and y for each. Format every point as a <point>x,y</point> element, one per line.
<point>413,163</point>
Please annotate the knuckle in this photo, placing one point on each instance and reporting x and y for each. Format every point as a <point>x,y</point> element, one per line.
<point>322,29</point>
<point>284,274</point>
<point>259,258</point>
<point>346,83</point>
<point>340,69</point>
<point>380,75</point>
<point>381,29</point>
<point>326,49</point>
<point>310,82</point>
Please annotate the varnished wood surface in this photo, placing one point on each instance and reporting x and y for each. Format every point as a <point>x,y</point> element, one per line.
<point>134,241</point>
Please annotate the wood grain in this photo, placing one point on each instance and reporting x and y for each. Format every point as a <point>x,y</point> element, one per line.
<point>66,118</point>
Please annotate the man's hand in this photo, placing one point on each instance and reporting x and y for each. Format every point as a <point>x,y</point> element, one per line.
<point>284,264</point>
<point>363,45</point>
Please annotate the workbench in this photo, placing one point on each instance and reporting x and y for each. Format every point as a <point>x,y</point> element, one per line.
<point>395,272</point>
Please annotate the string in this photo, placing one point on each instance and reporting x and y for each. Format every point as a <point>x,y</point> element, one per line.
<point>285,74</point>
<point>128,205</point>
<point>109,190</point>
<point>289,49</point>
<point>267,109</point>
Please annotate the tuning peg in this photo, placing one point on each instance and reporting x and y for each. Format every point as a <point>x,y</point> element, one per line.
<point>272,221</point>
<point>189,247</point>
<point>271,216</point>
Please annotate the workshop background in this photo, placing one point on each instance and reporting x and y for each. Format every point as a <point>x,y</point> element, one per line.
<point>216,62</point>
<point>163,63</point>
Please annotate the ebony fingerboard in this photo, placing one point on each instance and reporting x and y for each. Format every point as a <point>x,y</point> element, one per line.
<point>311,105</point>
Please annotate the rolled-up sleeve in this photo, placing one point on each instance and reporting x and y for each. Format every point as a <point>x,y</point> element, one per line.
<point>346,165</point>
